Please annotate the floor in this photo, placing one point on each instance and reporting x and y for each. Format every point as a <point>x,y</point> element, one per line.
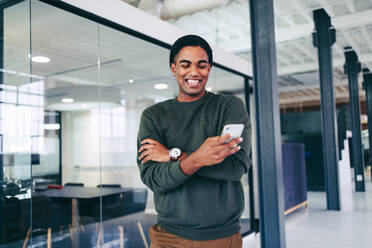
<point>315,227</point>
<point>131,231</point>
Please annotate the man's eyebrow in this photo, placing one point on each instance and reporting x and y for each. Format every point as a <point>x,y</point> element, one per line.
<point>189,62</point>
<point>203,61</point>
<point>185,61</point>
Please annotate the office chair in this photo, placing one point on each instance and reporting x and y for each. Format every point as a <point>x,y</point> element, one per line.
<point>47,216</point>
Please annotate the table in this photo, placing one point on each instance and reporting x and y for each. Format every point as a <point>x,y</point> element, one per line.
<point>80,193</point>
<point>68,192</point>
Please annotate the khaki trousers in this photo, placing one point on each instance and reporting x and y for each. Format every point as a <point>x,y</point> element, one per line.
<point>163,239</point>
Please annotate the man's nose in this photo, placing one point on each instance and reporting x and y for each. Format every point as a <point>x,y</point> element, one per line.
<point>194,71</point>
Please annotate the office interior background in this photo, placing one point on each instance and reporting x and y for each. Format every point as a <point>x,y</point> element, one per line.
<point>76,75</point>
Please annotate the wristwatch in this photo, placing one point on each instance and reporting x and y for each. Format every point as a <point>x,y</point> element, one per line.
<point>174,154</point>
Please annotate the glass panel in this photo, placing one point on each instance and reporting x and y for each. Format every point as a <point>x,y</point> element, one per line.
<point>72,120</point>
<point>134,75</point>
<point>17,130</point>
<point>129,80</point>
<point>60,99</point>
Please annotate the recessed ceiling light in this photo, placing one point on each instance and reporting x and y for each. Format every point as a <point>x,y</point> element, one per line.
<point>209,88</point>
<point>67,100</point>
<point>85,106</point>
<point>40,59</point>
<point>161,86</point>
<point>131,80</point>
<point>51,126</point>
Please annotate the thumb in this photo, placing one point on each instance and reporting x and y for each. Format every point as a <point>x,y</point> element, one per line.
<point>225,138</point>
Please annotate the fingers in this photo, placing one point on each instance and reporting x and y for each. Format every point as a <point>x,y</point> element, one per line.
<point>144,154</point>
<point>230,148</point>
<point>147,158</point>
<point>152,150</point>
<point>226,152</point>
<point>224,138</point>
<point>236,141</point>
<point>232,143</point>
<point>149,141</point>
<point>145,147</point>
<point>145,151</point>
<point>231,151</point>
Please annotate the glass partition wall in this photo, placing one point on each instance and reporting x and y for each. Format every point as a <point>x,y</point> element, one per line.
<point>72,93</point>
<point>20,120</point>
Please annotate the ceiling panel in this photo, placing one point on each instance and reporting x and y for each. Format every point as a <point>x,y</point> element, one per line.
<point>75,45</point>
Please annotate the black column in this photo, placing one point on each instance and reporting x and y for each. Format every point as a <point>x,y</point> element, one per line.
<point>367,78</point>
<point>269,152</point>
<point>2,197</point>
<point>323,39</point>
<point>352,68</point>
<point>248,91</point>
<point>1,44</point>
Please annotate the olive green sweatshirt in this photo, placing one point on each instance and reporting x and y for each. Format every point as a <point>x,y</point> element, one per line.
<point>208,204</point>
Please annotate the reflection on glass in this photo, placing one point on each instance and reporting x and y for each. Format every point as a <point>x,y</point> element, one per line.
<point>66,60</point>
<point>16,122</point>
<point>68,128</point>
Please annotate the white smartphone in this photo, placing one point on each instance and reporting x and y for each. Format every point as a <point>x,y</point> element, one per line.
<point>235,130</point>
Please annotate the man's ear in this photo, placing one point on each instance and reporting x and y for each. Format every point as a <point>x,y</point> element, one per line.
<point>173,68</point>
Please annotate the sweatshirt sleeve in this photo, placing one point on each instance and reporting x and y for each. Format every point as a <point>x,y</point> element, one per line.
<point>234,166</point>
<point>160,177</point>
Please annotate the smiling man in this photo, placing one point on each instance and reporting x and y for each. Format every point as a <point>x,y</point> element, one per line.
<point>194,173</point>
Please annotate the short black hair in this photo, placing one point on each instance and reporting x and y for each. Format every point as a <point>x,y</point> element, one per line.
<point>190,40</point>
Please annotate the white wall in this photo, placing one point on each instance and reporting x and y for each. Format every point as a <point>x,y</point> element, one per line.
<point>90,160</point>
<point>49,162</point>
<point>49,158</point>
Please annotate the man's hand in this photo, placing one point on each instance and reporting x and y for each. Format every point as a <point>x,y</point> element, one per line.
<point>152,150</point>
<point>213,151</point>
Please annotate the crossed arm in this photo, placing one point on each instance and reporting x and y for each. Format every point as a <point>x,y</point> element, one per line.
<point>213,159</point>
<point>213,151</point>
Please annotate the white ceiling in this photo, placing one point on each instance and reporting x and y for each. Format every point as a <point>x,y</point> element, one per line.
<point>75,45</point>
<point>228,26</point>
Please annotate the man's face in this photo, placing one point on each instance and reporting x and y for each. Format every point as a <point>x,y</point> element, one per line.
<point>191,69</point>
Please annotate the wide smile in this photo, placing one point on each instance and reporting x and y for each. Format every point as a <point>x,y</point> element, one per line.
<point>193,83</point>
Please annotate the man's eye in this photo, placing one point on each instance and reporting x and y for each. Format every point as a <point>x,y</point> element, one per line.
<point>202,66</point>
<point>184,65</point>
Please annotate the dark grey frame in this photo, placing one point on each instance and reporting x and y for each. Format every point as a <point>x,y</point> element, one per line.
<point>69,8</point>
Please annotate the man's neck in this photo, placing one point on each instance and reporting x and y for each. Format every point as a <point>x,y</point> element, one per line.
<point>188,98</point>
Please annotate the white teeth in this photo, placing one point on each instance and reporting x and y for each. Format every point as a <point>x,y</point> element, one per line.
<point>190,81</point>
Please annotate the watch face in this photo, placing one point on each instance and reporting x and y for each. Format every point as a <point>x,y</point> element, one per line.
<point>175,153</point>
